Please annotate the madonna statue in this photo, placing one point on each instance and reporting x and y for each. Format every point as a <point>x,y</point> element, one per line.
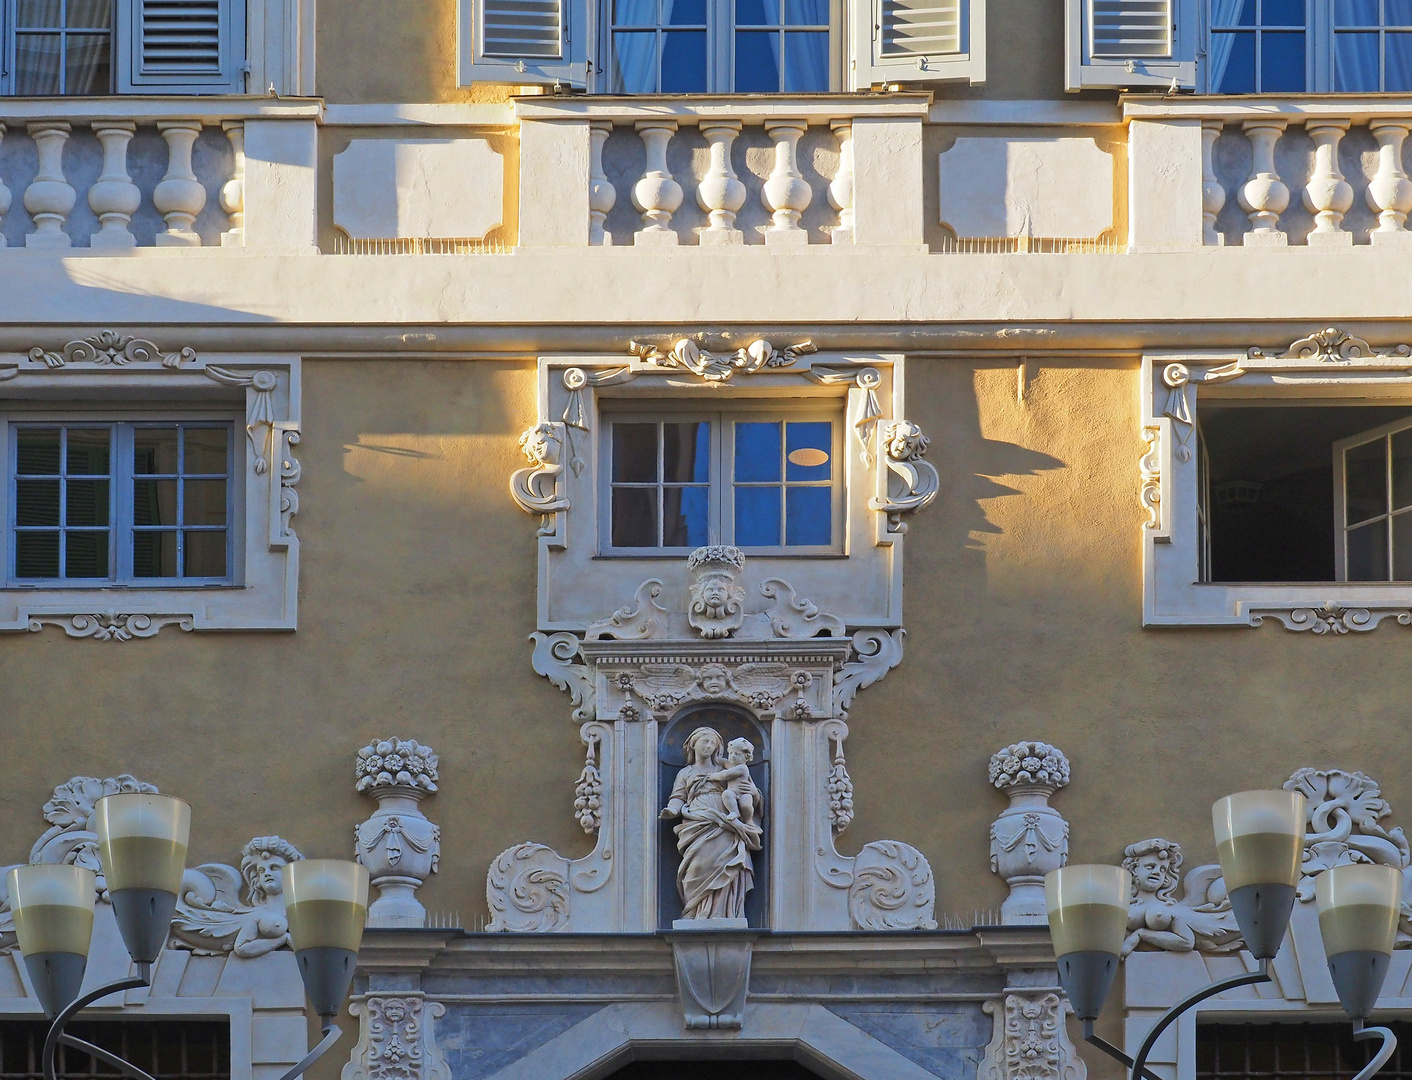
<point>720,807</point>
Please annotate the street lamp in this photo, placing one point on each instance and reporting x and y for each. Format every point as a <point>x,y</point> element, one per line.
<point>1260,841</point>
<point>142,842</point>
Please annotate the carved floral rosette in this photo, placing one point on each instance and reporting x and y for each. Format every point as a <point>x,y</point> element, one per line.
<point>398,844</point>
<point>1029,838</point>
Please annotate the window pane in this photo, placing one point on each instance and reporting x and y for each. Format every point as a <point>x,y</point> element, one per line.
<point>634,517</point>
<point>1402,547</point>
<point>1281,12</point>
<point>1397,12</point>
<point>684,12</point>
<point>1355,63</point>
<point>1355,12</point>
<point>1239,74</point>
<point>635,63</point>
<point>1365,481</point>
<point>1402,469</point>
<point>154,554</point>
<point>87,502</point>
<point>808,448</point>
<point>206,450</point>
<point>88,451</point>
<point>757,451</point>
<point>684,62</point>
<point>205,554</point>
<point>86,554</point>
<point>37,62</point>
<point>205,502</point>
<point>1397,63</point>
<point>635,12</point>
<point>808,515</point>
<point>39,14</point>
<point>684,516</point>
<point>37,502</point>
<point>686,452</point>
<point>94,13</point>
<point>154,450</point>
<point>37,555</point>
<point>154,502</point>
<point>37,452</point>
<point>1246,14</point>
<point>757,12</point>
<point>1281,62</point>
<point>635,453</point>
<point>1367,552</point>
<point>86,64</point>
<point>806,12</point>
<point>806,62</point>
<point>757,61</point>
<point>757,516</point>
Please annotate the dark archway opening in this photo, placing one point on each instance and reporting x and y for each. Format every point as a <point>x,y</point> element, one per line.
<point>714,1070</point>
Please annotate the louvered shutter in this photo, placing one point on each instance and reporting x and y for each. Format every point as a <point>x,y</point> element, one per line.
<point>182,46</point>
<point>524,41</point>
<point>1130,44</point>
<point>918,41</point>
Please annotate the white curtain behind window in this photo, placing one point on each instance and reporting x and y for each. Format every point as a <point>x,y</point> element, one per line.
<point>1223,13</point>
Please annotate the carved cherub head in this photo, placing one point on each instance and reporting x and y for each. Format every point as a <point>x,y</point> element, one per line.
<point>261,865</point>
<point>905,441</point>
<point>714,679</point>
<point>542,444</point>
<point>717,598</point>
<point>740,751</point>
<point>1154,865</point>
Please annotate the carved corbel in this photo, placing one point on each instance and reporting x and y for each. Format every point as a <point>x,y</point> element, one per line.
<point>713,972</point>
<point>876,653</point>
<point>259,412</point>
<point>1031,1039</point>
<point>869,412</point>
<point>396,1039</point>
<point>904,447</point>
<point>537,489</point>
<point>554,657</point>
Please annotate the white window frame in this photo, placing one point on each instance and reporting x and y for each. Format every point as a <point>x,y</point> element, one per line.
<point>1331,365</point>
<point>868,67</point>
<point>721,500</point>
<point>1083,71</point>
<point>1380,433</point>
<point>117,377</point>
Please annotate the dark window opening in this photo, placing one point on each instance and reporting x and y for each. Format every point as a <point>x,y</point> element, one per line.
<point>1293,1052</point>
<point>167,1049</point>
<point>1269,492</point>
<point>714,1070</point>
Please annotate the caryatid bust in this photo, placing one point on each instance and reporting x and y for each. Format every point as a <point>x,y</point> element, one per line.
<point>717,598</point>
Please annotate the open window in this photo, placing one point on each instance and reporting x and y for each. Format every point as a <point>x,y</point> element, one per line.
<point>1130,44</point>
<point>908,41</point>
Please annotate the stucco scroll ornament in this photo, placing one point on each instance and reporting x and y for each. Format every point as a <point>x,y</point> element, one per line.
<point>717,599</point>
<point>644,618</point>
<point>259,413</point>
<point>527,889</point>
<point>1030,1040</point>
<point>213,916</point>
<point>1177,408</point>
<point>1201,919</point>
<point>1030,837</point>
<point>1345,813</point>
<point>558,659</point>
<point>536,490</point>
<point>1332,618</point>
<point>108,347</point>
<point>398,845</point>
<point>875,653</point>
<point>114,626</point>
<point>576,415</point>
<point>397,1040</point>
<point>904,447</point>
<point>869,411</point>
<point>792,616</point>
<point>686,354</point>
<point>892,888</point>
<point>287,438</point>
<point>1331,345</point>
<point>1151,468</point>
<point>70,837</point>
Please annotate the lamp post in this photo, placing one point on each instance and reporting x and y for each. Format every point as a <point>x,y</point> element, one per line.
<point>142,843</point>
<point>1259,840</point>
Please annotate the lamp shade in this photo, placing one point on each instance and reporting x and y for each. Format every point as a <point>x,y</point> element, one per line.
<point>1259,837</point>
<point>142,840</point>
<point>1359,906</point>
<point>326,902</point>
<point>1088,908</point>
<point>53,912</point>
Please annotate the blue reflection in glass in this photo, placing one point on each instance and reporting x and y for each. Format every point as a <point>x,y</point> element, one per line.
<point>683,12</point>
<point>808,516</point>
<point>686,453</point>
<point>1355,12</point>
<point>1281,62</point>
<point>684,517</point>
<point>757,516</point>
<point>806,62</point>
<point>806,12</point>
<point>757,452</point>
<point>1238,75</point>
<point>684,62</point>
<point>756,12</point>
<point>757,61</point>
<point>634,63</point>
<point>1397,12</point>
<point>1282,13</point>
<point>808,448</point>
<point>1355,63</point>
<point>1397,78</point>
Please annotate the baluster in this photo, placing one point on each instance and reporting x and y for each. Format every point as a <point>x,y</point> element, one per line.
<point>180,196</point>
<point>1327,195</point>
<point>841,186</point>
<point>49,197</point>
<point>786,194</point>
<point>720,193</point>
<point>113,196</point>
<point>1264,195</point>
<point>4,192</point>
<point>233,190</point>
<point>1390,192</point>
<point>656,195</point>
<point>601,193</point>
<point>1213,194</point>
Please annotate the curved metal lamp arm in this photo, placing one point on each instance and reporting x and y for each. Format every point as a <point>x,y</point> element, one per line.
<point>1259,976</point>
<point>56,1029</point>
<point>1384,1053</point>
<point>1113,1052</point>
<point>332,1034</point>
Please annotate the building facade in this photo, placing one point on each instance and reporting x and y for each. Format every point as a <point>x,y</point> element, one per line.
<point>709,502</point>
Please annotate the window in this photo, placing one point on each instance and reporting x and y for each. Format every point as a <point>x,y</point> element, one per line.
<point>1291,1051</point>
<point>121,503</point>
<point>1257,46</point>
<point>63,46</point>
<point>1373,496</point>
<point>167,1049</point>
<point>756,480</point>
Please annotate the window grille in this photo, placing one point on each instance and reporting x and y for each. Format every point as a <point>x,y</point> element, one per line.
<point>168,1049</point>
<point>1293,1052</point>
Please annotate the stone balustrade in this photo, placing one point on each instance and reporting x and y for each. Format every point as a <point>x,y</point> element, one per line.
<point>1269,173</point>
<point>722,171</point>
<point>113,174</point>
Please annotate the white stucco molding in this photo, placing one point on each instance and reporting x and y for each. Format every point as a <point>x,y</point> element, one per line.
<point>1330,364</point>
<point>122,372</point>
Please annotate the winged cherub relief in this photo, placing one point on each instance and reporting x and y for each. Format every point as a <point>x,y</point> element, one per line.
<point>1202,919</point>
<point>212,915</point>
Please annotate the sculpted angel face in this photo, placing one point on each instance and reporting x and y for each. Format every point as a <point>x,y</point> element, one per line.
<point>1154,865</point>
<point>1151,872</point>
<point>906,441</point>
<point>714,679</point>
<point>541,444</point>
<point>262,866</point>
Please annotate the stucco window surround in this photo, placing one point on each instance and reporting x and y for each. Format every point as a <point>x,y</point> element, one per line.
<point>1330,366</point>
<point>113,376</point>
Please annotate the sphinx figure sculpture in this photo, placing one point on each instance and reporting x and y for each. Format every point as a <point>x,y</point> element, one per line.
<point>1200,919</point>
<point>222,910</point>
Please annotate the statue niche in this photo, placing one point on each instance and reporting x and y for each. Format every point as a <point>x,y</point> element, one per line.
<point>714,792</point>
